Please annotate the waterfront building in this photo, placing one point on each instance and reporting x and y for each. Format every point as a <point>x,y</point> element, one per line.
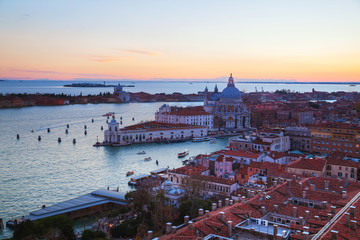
<point>189,115</point>
<point>99,201</point>
<point>121,94</point>
<point>151,132</point>
<point>331,137</point>
<point>230,113</point>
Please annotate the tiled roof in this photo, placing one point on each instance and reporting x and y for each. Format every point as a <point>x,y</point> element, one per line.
<point>189,170</point>
<point>333,160</point>
<point>315,164</point>
<point>153,126</point>
<point>242,153</point>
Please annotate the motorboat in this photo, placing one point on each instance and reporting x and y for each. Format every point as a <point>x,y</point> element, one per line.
<point>183,154</point>
<point>206,139</point>
<point>109,114</point>
<point>129,173</point>
<point>141,152</point>
<point>147,159</point>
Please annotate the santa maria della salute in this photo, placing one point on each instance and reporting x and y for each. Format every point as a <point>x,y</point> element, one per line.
<point>228,110</point>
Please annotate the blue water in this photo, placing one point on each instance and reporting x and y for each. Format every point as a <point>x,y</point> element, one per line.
<point>152,87</point>
<point>34,173</point>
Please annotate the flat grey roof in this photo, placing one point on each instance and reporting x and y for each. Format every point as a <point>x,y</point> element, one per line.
<point>94,198</point>
<point>140,176</point>
<point>158,171</point>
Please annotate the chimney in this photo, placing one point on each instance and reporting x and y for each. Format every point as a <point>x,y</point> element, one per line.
<point>226,202</point>
<point>305,235</point>
<point>243,199</point>
<point>230,228</point>
<point>191,224</point>
<point>352,211</point>
<point>353,225</point>
<point>304,194</point>
<point>207,213</point>
<point>324,204</point>
<point>343,194</point>
<point>347,218</point>
<point>307,214</point>
<point>275,230</point>
<point>294,211</point>
<point>333,208</point>
<point>263,209</point>
<point>201,211</point>
<point>326,189</point>
<point>317,218</point>
<point>301,220</point>
<point>173,229</point>
<point>231,202</point>
<point>312,187</point>
<point>219,204</point>
<point>213,207</point>
<point>326,185</point>
<point>329,216</point>
<point>222,216</point>
<point>300,185</point>
<point>275,208</point>
<point>186,220</point>
<point>341,188</point>
<point>334,235</point>
<point>168,227</point>
<point>149,234</point>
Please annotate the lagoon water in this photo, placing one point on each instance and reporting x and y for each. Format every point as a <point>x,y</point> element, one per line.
<point>16,86</point>
<point>33,173</point>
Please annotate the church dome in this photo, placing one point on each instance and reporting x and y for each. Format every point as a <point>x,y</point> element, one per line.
<point>230,92</point>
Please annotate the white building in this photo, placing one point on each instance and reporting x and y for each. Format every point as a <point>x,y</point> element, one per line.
<point>120,93</point>
<point>151,132</point>
<point>230,113</point>
<point>189,115</point>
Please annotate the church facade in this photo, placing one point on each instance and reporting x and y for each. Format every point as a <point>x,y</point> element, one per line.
<point>229,111</point>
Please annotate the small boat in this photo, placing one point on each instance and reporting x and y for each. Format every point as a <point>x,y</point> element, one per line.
<point>141,152</point>
<point>108,114</point>
<point>129,173</point>
<point>213,142</point>
<point>206,139</point>
<point>157,162</point>
<point>197,139</point>
<point>183,154</point>
<point>147,159</point>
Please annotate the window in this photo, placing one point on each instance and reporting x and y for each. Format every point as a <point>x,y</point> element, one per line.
<point>352,175</point>
<point>340,174</point>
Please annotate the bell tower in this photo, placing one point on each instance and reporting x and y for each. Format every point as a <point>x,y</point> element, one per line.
<point>231,81</point>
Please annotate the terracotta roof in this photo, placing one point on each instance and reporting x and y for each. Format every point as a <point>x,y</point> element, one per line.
<point>242,153</point>
<point>315,164</point>
<point>189,170</point>
<point>153,126</point>
<point>333,160</point>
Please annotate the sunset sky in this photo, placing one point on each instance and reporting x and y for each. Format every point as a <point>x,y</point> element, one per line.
<point>303,40</point>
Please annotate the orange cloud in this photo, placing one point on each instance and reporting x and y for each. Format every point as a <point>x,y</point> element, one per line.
<point>141,51</point>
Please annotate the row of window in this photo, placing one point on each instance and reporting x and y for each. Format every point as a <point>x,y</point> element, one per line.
<point>334,149</point>
<point>340,174</point>
<point>334,143</point>
<point>336,130</point>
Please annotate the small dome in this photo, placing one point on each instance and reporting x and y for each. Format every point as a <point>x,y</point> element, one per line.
<point>167,185</point>
<point>230,93</point>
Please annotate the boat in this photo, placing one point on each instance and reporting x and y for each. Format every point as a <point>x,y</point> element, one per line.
<point>352,85</point>
<point>108,114</point>
<point>213,142</point>
<point>129,173</point>
<point>197,139</point>
<point>183,154</point>
<point>120,144</point>
<point>206,139</point>
<point>147,159</point>
<point>141,152</point>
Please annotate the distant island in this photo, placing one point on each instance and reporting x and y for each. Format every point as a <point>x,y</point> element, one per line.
<point>88,85</point>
